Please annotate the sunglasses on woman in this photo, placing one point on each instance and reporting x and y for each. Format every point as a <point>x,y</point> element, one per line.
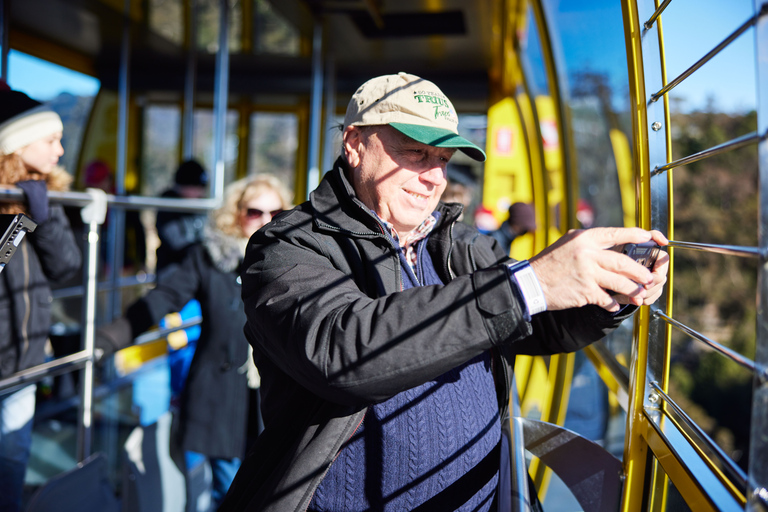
<point>255,213</point>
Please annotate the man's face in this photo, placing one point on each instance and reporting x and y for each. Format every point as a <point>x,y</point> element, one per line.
<point>398,178</point>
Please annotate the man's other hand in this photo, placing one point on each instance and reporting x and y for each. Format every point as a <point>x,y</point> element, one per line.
<point>577,270</point>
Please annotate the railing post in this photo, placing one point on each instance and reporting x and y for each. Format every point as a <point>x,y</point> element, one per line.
<point>316,109</point>
<point>5,22</point>
<point>757,485</point>
<point>93,216</point>
<point>220,102</point>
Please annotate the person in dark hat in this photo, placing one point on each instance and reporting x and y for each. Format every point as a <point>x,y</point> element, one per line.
<point>521,220</point>
<point>178,231</point>
<point>30,148</point>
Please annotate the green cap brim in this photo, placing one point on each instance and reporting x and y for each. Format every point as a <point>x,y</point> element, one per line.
<point>439,138</point>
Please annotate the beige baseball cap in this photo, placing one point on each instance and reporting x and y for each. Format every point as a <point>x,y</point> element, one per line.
<point>414,106</point>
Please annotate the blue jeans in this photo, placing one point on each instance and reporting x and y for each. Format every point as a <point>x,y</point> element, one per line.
<point>16,413</point>
<point>223,471</point>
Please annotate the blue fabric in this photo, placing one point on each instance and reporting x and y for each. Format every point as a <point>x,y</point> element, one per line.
<point>17,411</point>
<point>413,446</point>
<point>223,472</point>
<point>152,394</point>
<point>180,360</point>
<point>36,192</point>
<point>587,411</point>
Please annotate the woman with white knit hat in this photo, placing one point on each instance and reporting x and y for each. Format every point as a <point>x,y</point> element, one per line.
<point>30,148</point>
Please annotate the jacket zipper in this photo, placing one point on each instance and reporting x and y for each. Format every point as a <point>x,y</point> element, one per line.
<point>381,234</point>
<point>27,309</point>
<point>336,456</point>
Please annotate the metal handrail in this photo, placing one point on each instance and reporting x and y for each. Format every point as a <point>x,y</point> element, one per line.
<point>730,250</point>
<point>151,336</point>
<point>124,202</point>
<point>608,359</point>
<point>50,369</point>
<point>717,49</point>
<point>736,473</point>
<point>648,24</point>
<point>78,359</point>
<point>105,286</point>
<point>739,142</point>
<point>737,358</point>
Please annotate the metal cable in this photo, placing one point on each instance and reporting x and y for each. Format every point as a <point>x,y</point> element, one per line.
<point>717,49</point>
<point>731,354</point>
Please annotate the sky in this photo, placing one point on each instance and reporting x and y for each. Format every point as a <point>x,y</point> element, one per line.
<point>593,39</point>
<point>43,81</point>
<point>691,29</point>
<point>689,33</point>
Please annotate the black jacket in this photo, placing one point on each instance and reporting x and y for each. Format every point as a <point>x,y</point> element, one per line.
<point>178,232</point>
<point>331,336</point>
<point>214,403</point>
<point>49,254</point>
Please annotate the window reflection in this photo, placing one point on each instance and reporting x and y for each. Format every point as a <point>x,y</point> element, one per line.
<point>590,42</point>
<point>166,17</point>
<point>273,145</point>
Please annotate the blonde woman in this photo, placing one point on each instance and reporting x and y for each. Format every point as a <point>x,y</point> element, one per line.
<point>30,148</point>
<point>214,402</point>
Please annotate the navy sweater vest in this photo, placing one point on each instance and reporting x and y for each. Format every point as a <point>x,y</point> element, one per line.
<point>432,447</point>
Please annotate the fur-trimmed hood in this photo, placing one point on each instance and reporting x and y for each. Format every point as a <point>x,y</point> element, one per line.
<point>226,251</point>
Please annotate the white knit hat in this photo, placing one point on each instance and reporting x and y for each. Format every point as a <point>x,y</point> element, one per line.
<point>24,120</point>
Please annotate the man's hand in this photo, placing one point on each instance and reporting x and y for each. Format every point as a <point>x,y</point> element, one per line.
<point>577,270</point>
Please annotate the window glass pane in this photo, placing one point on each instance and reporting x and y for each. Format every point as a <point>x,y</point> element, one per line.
<point>272,33</point>
<point>69,93</point>
<point>203,142</point>
<point>273,144</point>
<point>160,155</point>
<point>167,18</point>
<point>465,176</point>
<point>726,83</point>
<point>533,59</point>
<point>208,25</point>
<point>590,41</point>
<point>672,499</point>
<point>538,84</point>
<point>715,201</point>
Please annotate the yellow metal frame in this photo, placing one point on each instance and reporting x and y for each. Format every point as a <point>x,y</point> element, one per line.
<point>530,175</point>
<point>637,443</point>
<point>658,439</point>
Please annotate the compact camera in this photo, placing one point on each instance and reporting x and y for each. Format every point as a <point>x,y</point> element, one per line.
<point>13,227</point>
<point>645,253</point>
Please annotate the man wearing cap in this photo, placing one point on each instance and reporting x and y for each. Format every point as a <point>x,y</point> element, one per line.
<point>384,331</point>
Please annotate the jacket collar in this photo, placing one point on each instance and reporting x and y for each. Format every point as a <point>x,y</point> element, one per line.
<point>226,251</point>
<point>337,208</point>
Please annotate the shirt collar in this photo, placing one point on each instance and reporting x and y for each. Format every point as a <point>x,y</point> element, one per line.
<point>419,233</point>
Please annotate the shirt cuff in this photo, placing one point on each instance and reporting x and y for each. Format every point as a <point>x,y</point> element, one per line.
<point>521,274</point>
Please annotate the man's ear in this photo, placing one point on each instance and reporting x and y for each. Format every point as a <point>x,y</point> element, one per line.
<point>353,140</point>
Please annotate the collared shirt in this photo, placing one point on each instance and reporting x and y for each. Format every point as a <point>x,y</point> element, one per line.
<point>408,246</point>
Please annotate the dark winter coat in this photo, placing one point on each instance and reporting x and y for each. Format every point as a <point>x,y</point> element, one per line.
<point>332,333</point>
<point>178,233</point>
<point>214,403</point>
<point>47,255</point>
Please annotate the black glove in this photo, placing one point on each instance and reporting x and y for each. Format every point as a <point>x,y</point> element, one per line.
<point>37,199</point>
<point>111,338</point>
